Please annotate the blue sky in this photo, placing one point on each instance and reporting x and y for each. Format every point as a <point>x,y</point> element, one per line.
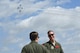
<point>62,16</point>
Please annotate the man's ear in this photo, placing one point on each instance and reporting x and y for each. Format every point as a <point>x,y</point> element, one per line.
<point>37,38</point>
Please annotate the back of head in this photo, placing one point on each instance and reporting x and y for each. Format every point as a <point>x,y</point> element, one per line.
<point>33,35</point>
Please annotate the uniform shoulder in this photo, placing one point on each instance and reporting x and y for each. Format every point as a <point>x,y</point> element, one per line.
<point>27,45</point>
<point>46,43</point>
<point>57,43</point>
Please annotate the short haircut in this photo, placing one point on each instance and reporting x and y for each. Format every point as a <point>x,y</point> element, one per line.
<point>49,31</point>
<point>33,35</point>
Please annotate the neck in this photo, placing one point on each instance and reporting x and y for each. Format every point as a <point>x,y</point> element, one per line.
<point>36,40</point>
<point>52,41</point>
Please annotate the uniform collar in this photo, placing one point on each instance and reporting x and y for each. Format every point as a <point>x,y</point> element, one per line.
<point>54,43</point>
<point>33,42</point>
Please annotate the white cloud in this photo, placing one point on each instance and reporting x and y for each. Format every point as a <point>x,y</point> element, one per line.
<point>11,7</point>
<point>28,6</point>
<point>0,24</point>
<point>74,40</point>
<point>78,51</point>
<point>24,23</point>
<point>5,49</point>
<point>63,1</point>
<point>7,8</point>
<point>13,40</point>
<point>57,18</point>
<point>51,18</point>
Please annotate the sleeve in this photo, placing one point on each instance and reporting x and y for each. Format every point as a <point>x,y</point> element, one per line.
<point>46,50</point>
<point>61,51</point>
<point>23,50</point>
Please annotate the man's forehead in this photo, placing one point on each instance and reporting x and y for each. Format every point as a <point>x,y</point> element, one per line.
<point>51,32</point>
